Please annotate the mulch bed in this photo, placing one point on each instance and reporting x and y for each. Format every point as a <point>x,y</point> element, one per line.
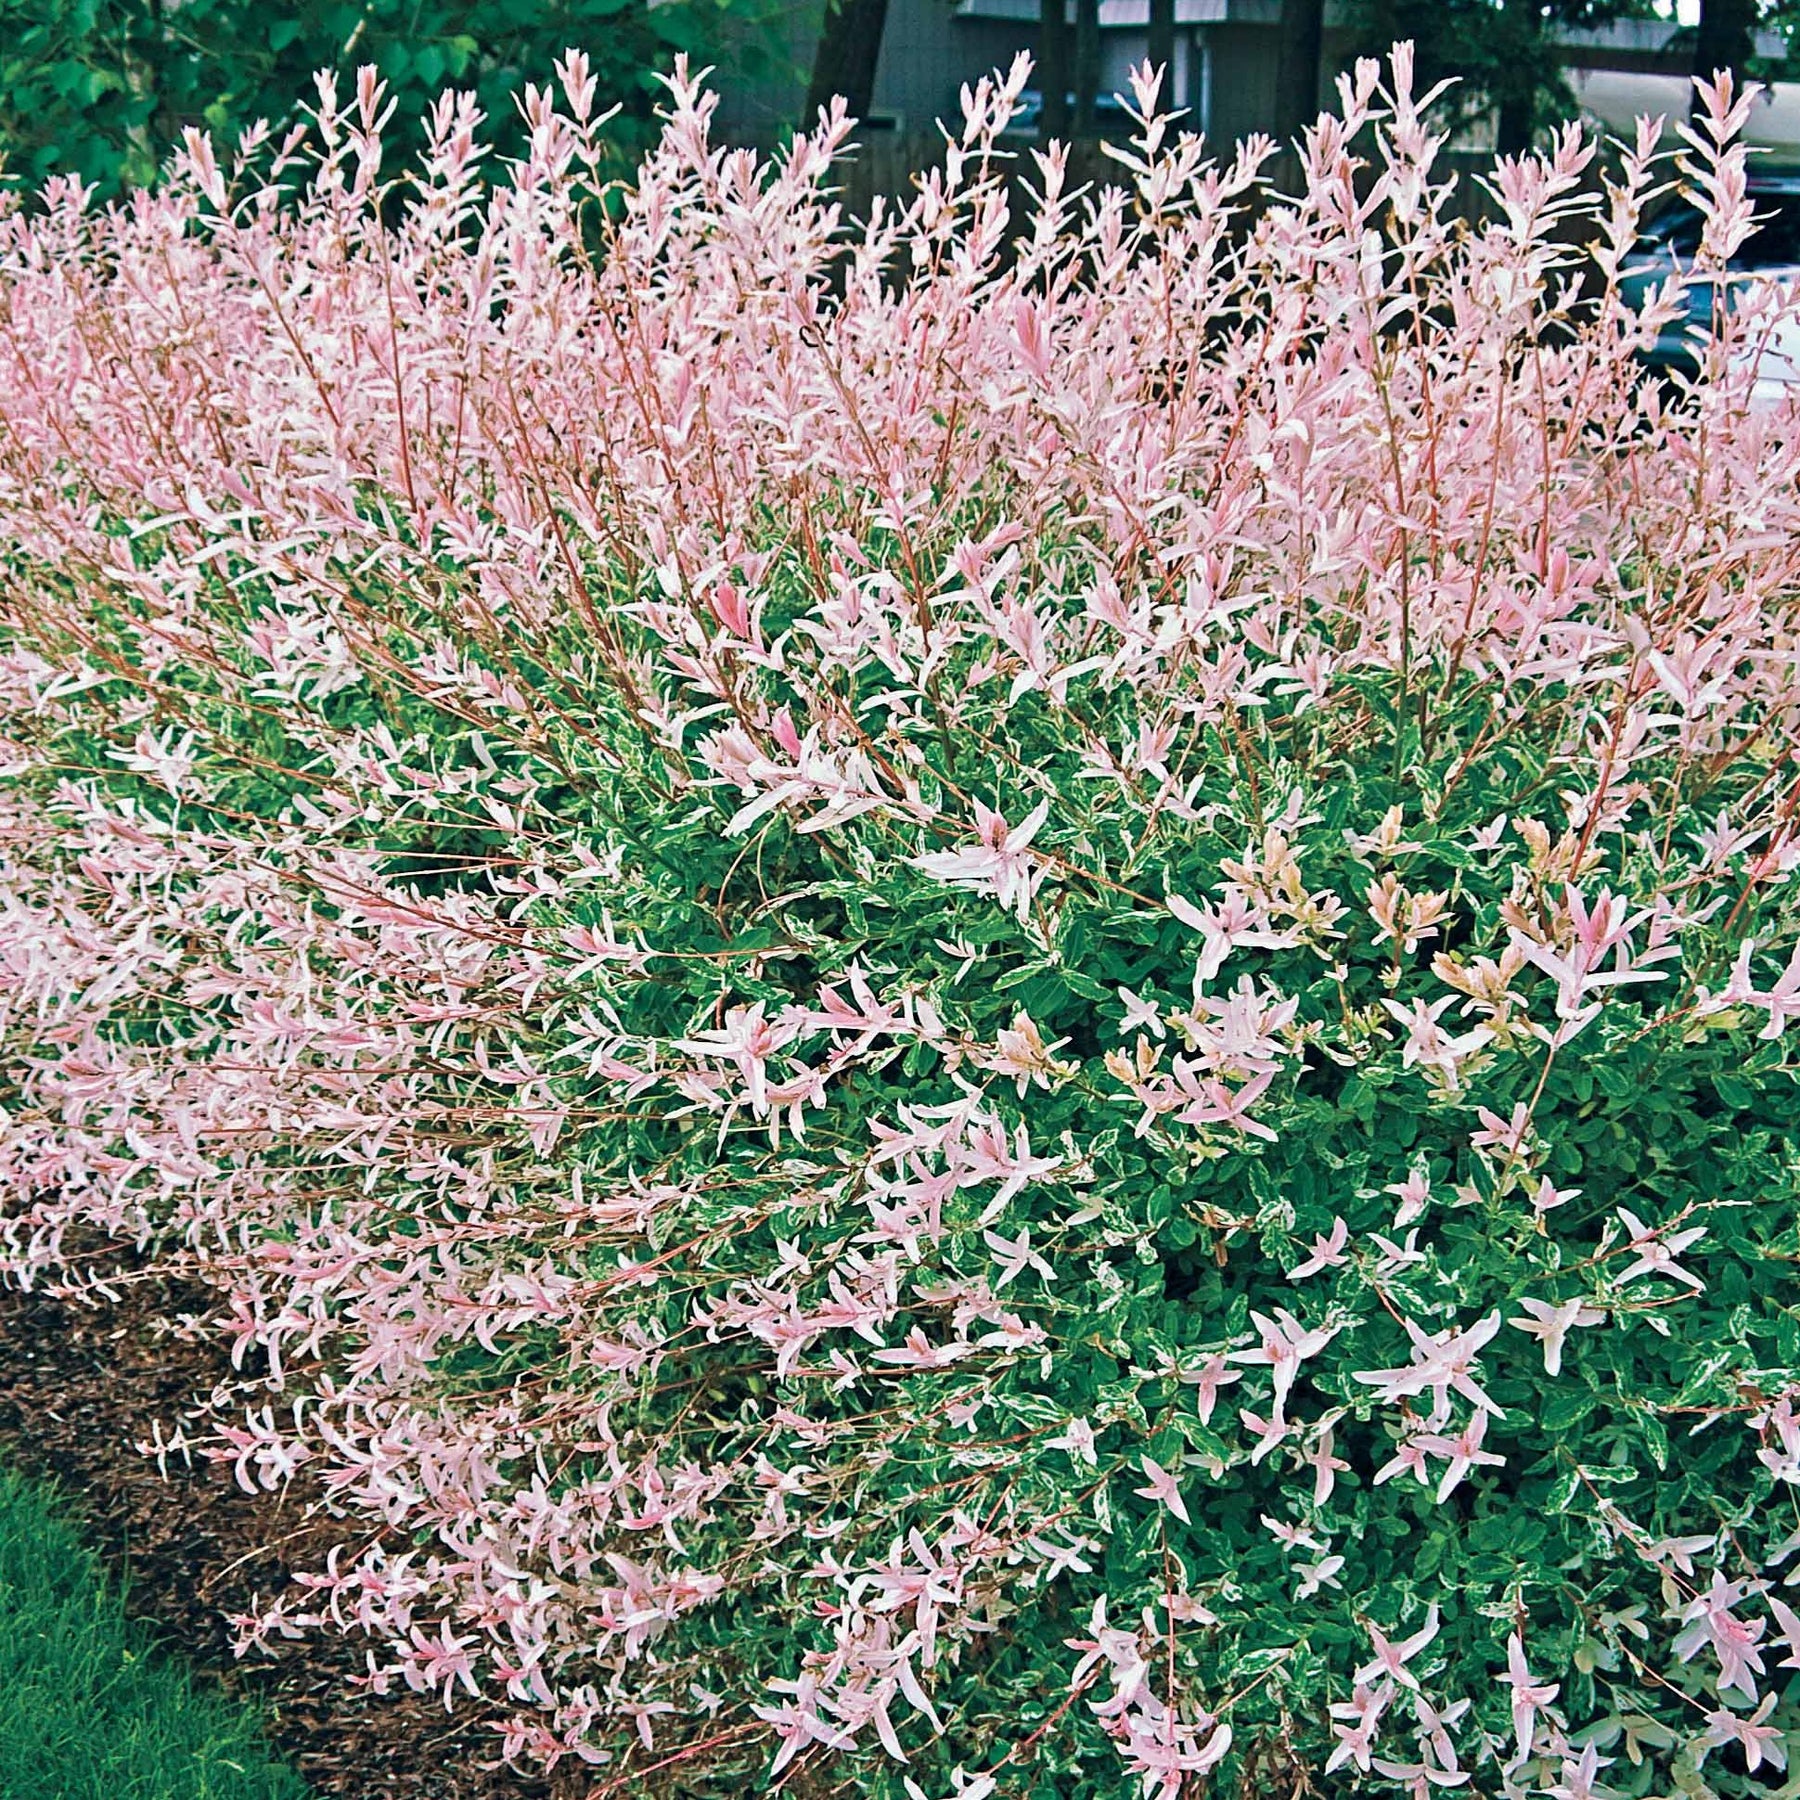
<point>80,1387</point>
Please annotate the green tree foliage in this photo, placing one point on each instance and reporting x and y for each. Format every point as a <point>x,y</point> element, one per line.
<point>1725,36</point>
<point>1502,54</point>
<point>102,88</point>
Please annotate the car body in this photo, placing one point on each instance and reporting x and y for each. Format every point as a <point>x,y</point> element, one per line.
<point>1777,357</point>
<point>1771,254</point>
<point>1109,115</point>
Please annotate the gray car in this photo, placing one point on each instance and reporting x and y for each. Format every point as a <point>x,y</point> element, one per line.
<point>1669,245</point>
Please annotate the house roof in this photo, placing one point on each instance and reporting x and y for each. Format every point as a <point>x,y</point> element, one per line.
<point>1127,13</point>
<point>1650,37</point>
<point>1640,43</point>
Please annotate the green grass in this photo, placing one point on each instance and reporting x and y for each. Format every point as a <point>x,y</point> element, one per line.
<point>88,1709</point>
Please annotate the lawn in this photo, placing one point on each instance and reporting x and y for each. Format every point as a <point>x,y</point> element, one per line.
<point>88,1707</point>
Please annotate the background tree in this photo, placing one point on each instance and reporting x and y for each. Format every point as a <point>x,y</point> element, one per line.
<point>845,61</point>
<point>1502,54</point>
<point>1526,72</point>
<point>1087,67</point>
<point>1162,44</point>
<point>1053,70</point>
<point>1726,38</point>
<point>1297,67</point>
<point>103,88</point>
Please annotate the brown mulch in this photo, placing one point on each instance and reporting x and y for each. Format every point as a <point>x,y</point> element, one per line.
<point>79,1388</point>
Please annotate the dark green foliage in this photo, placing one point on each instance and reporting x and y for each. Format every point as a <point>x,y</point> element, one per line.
<point>1502,54</point>
<point>103,88</point>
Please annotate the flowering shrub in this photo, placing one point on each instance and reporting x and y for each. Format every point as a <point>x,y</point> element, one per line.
<point>970,1019</point>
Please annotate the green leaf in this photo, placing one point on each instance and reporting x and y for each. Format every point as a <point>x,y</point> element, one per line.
<point>1564,1408</point>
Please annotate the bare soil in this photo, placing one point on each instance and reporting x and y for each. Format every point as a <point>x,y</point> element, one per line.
<point>80,1388</point>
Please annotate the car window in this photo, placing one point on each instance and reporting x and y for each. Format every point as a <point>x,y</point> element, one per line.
<point>1776,239</point>
<point>1777,236</point>
<point>1678,230</point>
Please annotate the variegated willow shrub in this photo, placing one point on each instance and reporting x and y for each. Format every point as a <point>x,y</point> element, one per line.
<point>977,1006</point>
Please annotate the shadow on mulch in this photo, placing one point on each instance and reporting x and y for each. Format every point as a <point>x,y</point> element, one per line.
<point>80,1387</point>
